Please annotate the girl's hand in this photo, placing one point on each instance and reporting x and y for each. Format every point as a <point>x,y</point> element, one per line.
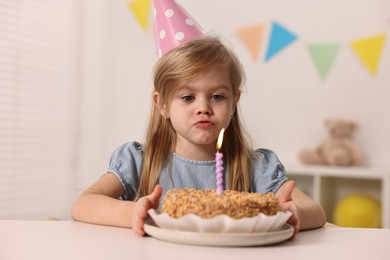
<point>286,203</point>
<point>141,209</point>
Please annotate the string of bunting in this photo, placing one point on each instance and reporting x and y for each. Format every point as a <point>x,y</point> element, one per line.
<point>368,49</point>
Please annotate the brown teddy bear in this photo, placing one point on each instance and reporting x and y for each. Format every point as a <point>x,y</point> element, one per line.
<point>338,149</point>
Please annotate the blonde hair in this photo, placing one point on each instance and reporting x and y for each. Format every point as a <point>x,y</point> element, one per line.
<point>179,65</point>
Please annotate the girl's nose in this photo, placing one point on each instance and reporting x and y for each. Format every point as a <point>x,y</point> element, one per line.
<point>203,107</point>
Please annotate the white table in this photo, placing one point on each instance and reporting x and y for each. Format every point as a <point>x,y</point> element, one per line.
<point>73,240</point>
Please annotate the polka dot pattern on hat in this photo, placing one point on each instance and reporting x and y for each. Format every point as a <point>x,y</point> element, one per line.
<point>173,25</point>
<point>169,13</point>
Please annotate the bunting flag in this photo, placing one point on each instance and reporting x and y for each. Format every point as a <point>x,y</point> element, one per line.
<point>280,38</point>
<point>323,55</point>
<point>252,37</point>
<point>369,51</point>
<point>141,10</point>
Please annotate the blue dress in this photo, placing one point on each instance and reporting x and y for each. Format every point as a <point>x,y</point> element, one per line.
<point>268,172</point>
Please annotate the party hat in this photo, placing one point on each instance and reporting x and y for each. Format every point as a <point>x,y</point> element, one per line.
<point>173,25</point>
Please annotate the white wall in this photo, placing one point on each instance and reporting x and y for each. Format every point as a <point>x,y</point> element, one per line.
<point>285,102</point>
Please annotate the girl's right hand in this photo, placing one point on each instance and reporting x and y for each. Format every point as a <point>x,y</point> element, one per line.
<point>141,209</point>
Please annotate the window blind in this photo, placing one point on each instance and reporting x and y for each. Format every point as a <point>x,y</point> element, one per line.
<point>38,107</point>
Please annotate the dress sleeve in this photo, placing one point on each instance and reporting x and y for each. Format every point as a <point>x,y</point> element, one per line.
<point>268,172</point>
<point>125,163</point>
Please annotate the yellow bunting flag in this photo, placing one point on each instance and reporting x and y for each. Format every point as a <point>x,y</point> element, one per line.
<point>252,37</point>
<point>369,51</point>
<point>140,9</point>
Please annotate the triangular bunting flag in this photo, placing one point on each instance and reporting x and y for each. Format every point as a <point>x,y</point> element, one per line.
<point>252,37</point>
<point>280,38</point>
<point>140,9</point>
<point>323,56</point>
<point>369,51</point>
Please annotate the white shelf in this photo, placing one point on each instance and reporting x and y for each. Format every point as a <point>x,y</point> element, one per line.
<point>327,184</point>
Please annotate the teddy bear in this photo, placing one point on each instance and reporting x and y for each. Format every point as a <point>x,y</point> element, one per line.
<point>338,149</point>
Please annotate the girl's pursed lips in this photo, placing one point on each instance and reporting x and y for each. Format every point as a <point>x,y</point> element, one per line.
<point>204,123</point>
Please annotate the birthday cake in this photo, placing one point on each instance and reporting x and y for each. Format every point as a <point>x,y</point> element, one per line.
<point>207,204</point>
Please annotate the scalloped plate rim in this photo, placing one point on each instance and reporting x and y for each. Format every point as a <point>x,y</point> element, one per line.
<point>272,223</point>
<point>218,239</point>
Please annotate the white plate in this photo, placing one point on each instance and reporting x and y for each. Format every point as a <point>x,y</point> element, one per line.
<point>221,223</point>
<point>218,239</point>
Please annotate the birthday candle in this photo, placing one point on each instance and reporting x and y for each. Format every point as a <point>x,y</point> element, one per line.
<point>219,163</point>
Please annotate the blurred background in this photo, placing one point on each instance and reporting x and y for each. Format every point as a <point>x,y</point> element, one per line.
<point>75,83</point>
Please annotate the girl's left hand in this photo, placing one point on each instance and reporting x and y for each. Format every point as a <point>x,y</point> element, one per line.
<point>286,203</point>
<point>141,209</point>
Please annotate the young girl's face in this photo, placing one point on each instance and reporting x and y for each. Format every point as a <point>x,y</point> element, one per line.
<point>200,108</point>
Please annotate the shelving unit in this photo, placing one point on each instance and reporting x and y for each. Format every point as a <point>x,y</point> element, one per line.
<point>328,184</point>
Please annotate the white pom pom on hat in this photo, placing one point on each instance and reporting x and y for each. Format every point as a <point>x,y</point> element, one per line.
<point>173,25</point>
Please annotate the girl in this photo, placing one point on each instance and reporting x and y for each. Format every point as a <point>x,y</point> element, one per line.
<point>196,91</point>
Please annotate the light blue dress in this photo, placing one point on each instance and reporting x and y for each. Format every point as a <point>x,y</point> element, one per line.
<point>268,172</point>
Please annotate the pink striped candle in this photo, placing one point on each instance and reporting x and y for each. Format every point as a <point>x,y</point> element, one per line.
<point>219,163</point>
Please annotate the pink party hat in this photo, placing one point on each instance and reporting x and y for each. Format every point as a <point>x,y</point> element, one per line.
<point>173,25</point>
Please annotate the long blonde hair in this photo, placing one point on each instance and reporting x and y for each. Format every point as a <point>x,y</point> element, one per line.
<point>173,68</point>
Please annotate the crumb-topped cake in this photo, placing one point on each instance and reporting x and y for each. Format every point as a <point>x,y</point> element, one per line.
<point>207,204</point>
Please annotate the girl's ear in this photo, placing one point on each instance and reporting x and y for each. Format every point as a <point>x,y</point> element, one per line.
<point>236,99</point>
<point>161,108</point>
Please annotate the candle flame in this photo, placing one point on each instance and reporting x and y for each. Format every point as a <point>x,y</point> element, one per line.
<point>220,138</point>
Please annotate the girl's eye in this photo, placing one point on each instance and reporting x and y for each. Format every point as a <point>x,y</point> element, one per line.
<point>187,98</point>
<point>217,97</point>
